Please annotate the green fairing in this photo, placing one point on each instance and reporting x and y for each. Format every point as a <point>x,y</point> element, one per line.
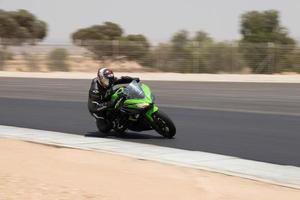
<point>117,93</point>
<point>151,111</point>
<point>131,103</point>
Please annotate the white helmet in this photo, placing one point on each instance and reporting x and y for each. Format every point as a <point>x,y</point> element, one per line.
<point>105,77</point>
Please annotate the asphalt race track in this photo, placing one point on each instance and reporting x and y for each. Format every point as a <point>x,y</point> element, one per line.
<point>257,121</point>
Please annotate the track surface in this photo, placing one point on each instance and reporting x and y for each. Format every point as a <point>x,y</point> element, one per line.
<point>248,120</point>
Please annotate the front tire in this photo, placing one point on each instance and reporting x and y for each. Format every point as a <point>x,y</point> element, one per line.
<point>164,125</point>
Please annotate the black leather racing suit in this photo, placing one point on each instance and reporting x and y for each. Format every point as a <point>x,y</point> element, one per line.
<point>99,97</point>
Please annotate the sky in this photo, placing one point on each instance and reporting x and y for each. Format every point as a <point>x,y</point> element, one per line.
<point>158,20</point>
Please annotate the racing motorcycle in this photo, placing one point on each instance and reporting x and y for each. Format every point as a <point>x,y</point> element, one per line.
<point>135,110</point>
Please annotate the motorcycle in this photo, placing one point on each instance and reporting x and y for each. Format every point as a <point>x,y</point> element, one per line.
<point>135,110</point>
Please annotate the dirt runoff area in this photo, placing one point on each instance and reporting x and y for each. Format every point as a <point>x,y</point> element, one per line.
<point>35,171</point>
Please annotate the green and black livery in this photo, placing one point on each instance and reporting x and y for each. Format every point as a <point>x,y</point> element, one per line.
<point>135,110</point>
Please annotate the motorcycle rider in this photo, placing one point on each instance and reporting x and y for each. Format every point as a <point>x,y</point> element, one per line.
<point>101,90</point>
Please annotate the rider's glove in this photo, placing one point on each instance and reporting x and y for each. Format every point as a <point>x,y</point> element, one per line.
<point>129,79</point>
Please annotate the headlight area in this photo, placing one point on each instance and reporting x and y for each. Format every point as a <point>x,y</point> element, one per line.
<point>142,105</point>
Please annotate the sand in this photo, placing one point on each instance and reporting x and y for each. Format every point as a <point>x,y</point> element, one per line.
<point>35,171</point>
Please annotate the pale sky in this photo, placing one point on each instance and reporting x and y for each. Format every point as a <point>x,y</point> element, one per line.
<point>156,19</point>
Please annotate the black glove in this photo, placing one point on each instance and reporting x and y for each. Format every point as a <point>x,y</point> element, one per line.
<point>137,79</point>
<point>129,79</point>
<point>126,78</point>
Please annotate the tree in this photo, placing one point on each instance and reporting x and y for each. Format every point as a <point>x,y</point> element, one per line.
<point>202,37</point>
<point>201,48</point>
<point>98,38</point>
<point>263,29</point>
<point>18,27</point>
<point>58,60</point>
<point>8,26</point>
<point>181,52</point>
<point>107,31</point>
<point>107,41</point>
<point>135,47</point>
<point>162,57</point>
<point>223,57</point>
<point>180,40</point>
<point>184,53</point>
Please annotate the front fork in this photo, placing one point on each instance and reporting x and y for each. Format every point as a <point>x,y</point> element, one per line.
<point>149,113</point>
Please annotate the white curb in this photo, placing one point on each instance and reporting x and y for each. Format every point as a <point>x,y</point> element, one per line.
<point>288,176</point>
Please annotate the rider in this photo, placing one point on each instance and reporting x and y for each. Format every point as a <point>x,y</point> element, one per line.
<point>101,90</point>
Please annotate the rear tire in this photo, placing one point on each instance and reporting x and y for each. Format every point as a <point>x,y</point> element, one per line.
<point>164,125</point>
<point>120,132</point>
<point>103,127</point>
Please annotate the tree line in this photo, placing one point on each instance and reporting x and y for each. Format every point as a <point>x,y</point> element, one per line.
<point>265,45</point>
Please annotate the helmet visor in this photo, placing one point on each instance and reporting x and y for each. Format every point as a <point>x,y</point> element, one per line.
<point>105,82</point>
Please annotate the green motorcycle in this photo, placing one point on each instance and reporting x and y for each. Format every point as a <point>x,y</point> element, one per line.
<point>135,110</point>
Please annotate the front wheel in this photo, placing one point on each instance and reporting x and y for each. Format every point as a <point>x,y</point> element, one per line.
<point>164,125</point>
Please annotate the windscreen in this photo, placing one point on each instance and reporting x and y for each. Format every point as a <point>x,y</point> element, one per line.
<point>134,91</point>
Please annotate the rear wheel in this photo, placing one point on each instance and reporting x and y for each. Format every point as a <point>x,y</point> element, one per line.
<point>120,131</point>
<point>103,127</point>
<point>164,125</point>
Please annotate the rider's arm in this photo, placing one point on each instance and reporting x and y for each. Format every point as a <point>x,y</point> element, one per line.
<point>96,98</point>
<point>94,93</point>
<point>125,80</point>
